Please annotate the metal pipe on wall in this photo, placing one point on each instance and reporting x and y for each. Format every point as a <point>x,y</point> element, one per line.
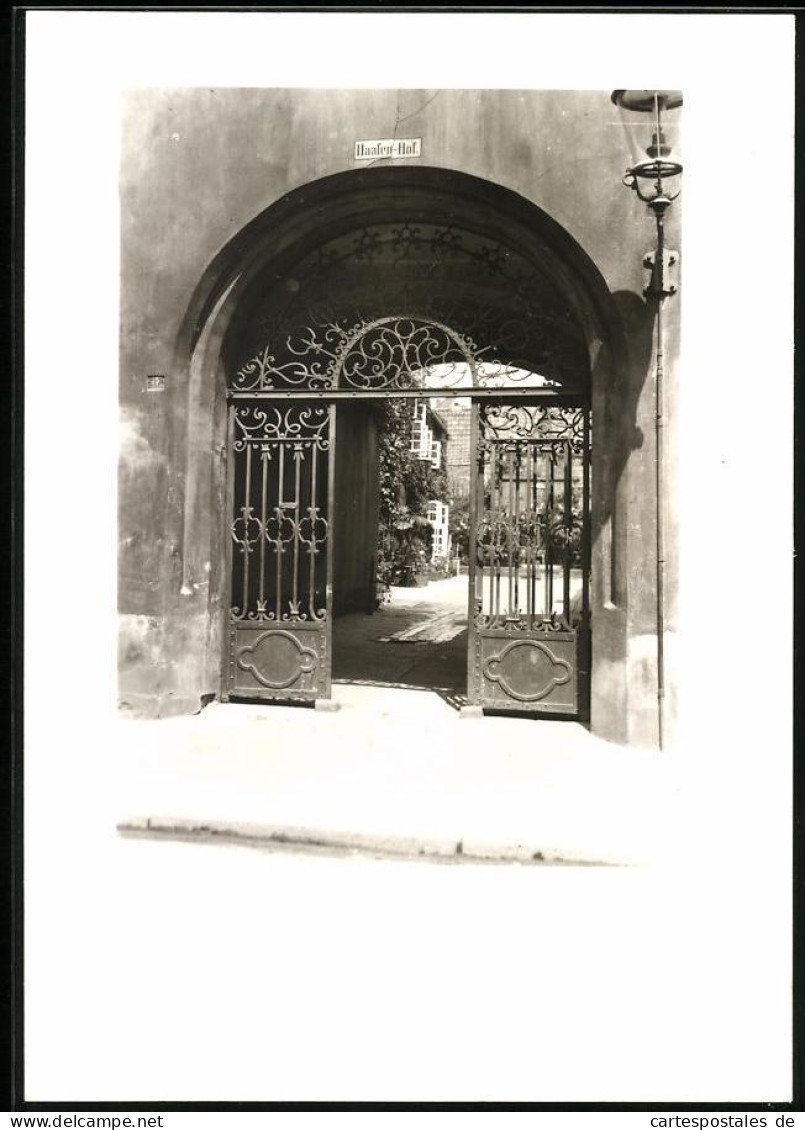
<point>653,175</point>
<point>659,424</point>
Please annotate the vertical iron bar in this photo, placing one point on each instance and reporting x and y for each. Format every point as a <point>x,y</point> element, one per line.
<point>263,515</point>
<point>481,512</point>
<point>499,503</point>
<point>247,503</point>
<point>492,530</point>
<point>509,466</point>
<point>327,664</point>
<point>226,633</point>
<point>298,456</point>
<point>585,635</point>
<point>516,539</point>
<point>546,534</point>
<point>529,548</point>
<point>568,553</point>
<point>477,468</point>
<point>312,547</point>
<point>280,515</point>
<point>535,538</point>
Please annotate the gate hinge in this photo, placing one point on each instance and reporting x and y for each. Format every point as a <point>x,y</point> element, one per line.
<point>662,274</point>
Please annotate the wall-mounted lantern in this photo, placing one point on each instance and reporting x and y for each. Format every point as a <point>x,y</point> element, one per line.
<point>655,178</point>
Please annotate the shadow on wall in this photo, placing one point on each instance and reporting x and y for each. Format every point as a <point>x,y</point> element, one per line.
<point>621,416</point>
<point>622,513</point>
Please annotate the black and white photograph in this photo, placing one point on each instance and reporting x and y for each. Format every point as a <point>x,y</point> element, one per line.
<point>421,517</point>
<point>413,356</point>
<point>400,451</point>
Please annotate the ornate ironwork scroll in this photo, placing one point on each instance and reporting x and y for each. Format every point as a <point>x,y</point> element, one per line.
<point>539,423</point>
<point>529,551</point>
<point>279,529</point>
<point>319,327</point>
<point>385,355</point>
<point>391,354</point>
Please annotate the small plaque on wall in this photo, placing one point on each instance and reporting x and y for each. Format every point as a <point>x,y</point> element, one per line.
<point>388,147</point>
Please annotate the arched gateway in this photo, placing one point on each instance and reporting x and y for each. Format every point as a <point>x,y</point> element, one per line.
<point>401,283</point>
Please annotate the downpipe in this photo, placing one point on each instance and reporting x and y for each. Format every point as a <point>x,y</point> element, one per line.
<point>659,290</point>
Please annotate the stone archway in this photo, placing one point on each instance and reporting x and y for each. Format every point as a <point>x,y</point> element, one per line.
<point>266,254</point>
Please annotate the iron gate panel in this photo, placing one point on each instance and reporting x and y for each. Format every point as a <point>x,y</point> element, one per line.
<point>529,554</point>
<point>280,550</point>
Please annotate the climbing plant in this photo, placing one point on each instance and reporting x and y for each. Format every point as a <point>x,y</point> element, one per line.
<point>407,484</point>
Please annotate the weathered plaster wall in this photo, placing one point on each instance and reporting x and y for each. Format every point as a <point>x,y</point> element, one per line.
<point>196,166</point>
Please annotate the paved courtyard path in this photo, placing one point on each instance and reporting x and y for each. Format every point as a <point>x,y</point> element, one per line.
<point>418,639</point>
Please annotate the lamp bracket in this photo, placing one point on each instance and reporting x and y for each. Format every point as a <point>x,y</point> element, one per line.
<point>663,280</point>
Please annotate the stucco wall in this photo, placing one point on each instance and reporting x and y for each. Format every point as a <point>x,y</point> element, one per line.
<point>196,166</point>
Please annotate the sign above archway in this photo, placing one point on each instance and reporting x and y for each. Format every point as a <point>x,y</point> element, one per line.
<point>392,148</point>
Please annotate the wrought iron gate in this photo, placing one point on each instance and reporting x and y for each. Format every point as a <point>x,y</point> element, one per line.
<point>529,555</point>
<point>410,310</point>
<point>280,550</point>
